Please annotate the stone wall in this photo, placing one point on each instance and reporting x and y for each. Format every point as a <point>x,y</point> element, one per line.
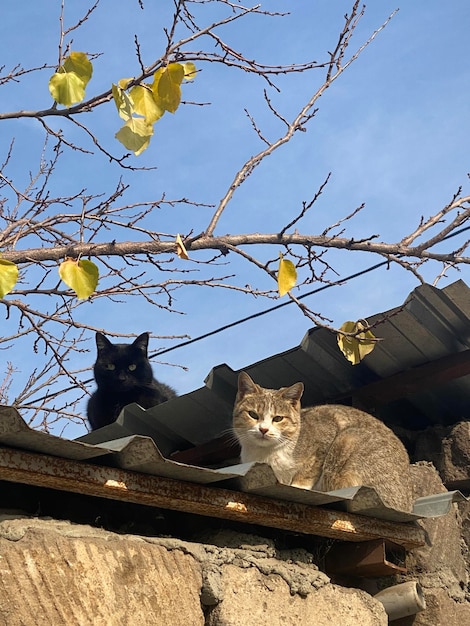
<point>60,573</point>
<point>442,566</point>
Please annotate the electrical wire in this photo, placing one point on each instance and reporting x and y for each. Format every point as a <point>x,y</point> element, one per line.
<point>242,320</point>
<point>269,310</point>
<point>253,316</point>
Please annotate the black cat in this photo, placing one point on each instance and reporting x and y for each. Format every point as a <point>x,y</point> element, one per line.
<point>123,375</point>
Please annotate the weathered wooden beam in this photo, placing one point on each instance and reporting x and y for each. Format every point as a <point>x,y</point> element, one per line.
<point>108,482</point>
<point>420,378</point>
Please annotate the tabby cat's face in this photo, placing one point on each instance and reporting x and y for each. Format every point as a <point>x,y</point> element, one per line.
<point>122,367</point>
<point>266,418</point>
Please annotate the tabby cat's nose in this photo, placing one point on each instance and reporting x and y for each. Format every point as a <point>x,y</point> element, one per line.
<point>263,430</point>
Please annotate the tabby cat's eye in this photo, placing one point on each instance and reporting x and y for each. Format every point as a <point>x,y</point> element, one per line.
<point>132,367</point>
<point>110,366</point>
<point>254,415</point>
<point>278,418</point>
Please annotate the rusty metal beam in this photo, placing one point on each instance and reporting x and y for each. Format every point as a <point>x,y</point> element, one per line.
<point>369,558</point>
<point>108,482</point>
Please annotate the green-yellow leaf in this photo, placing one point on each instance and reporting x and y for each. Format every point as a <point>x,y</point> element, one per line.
<point>79,64</point>
<point>166,86</point>
<point>81,276</point>
<point>189,70</point>
<point>357,347</point>
<point>287,275</point>
<point>144,103</point>
<point>8,276</point>
<point>123,83</point>
<point>135,135</point>
<point>123,102</point>
<point>66,88</point>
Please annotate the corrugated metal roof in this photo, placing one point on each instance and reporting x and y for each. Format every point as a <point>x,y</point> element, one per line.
<point>141,454</point>
<point>430,325</point>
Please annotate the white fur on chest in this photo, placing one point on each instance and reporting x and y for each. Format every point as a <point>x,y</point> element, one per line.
<point>280,459</point>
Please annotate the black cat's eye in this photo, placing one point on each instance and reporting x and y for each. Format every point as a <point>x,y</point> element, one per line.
<point>110,366</point>
<point>132,367</point>
<point>278,418</point>
<point>254,415</point>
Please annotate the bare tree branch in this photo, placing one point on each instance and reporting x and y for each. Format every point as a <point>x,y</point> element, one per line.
<point>138,262</point>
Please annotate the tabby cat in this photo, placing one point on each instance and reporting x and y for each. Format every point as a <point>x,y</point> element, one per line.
<point>324,447</point>
<point>123,375</point>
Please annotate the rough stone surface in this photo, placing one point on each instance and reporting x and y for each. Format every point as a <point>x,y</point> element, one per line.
<point>464,510</point>
<point>448,448</point>
<point>455,464</point>
<point>58,573</point>
<point>443,552</point>
<point>441,567</point>
<point>426,445</point>
<point>254,599</point>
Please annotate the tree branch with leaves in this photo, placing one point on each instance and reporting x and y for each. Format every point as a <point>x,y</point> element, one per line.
<point>58,253</point>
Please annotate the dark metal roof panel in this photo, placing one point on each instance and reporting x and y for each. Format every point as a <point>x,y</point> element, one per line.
<point>432,323</point>
<point>183,422</point>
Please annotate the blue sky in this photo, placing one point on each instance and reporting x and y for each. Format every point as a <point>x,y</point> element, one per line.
<point>393,131</point>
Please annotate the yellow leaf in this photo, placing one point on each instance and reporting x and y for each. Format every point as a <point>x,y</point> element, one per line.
<point>81,276</point>
<point>357,347</point>
<point>135,135</point>
<point>66,88</point>
<point>190,70</point>
<point>123,83</point>
<point>79,64</point>
<point>8,276</point>
<point>144,103</point>
<point>180,249</point>
<point>287,275</point>
<point>166,86</point>
<point>123,102</point>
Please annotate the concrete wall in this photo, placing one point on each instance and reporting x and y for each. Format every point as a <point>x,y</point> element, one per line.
<point>56,573</point>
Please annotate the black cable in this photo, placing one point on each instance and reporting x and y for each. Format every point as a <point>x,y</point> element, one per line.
<point>244,319</point>
<point>283,304</point>
<point>270,310</point>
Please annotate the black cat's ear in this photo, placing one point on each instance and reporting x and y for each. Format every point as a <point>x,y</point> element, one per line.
<point>245,385</point>
<point>293,393</point>
<point>102,342</point>
<point>142,342</point>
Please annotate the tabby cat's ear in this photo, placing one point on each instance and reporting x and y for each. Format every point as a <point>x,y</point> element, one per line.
<point>142,342</point>
<point>245,385</point>
<point>294,392</point>
<point>102,342</point>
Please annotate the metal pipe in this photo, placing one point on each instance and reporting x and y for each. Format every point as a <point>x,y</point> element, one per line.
<point>402,600</point>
